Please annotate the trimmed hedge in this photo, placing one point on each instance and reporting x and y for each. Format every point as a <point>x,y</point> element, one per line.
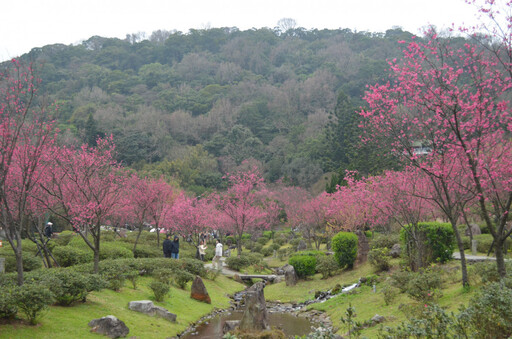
<point>344,245</point>
<point>304,265</point>
<point>69,256</point>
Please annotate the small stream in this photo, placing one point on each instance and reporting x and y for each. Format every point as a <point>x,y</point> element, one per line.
<point>290,324</point>
<point>282,316</point>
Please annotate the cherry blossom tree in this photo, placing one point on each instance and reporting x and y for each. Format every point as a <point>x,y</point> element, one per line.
<point>246,205</point>
<point>452,101</point>
<point>84,187</point>
<point>25,139</point>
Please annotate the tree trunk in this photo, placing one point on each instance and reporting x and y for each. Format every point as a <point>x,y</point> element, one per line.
<point>137,240</point>
<point>157,236</point>
<point>500,256</point>
<point>97,254</point>
<point>463,265</point>
<point>19,260</point>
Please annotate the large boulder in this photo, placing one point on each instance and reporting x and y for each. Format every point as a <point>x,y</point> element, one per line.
<point>255,316</point>
<point>198,291</point>
<point>290,275</point>
<point>147,307</point>
<point>109,326</point>
<point>395,251</point>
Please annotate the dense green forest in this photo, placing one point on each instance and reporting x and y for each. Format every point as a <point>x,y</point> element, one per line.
<point>194,106</point>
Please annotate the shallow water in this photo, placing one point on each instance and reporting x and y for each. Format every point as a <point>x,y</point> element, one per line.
<point>288,323</point>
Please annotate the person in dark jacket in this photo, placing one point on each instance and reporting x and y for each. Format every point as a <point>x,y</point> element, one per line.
<point>167,245</point>
<point>175,248</point>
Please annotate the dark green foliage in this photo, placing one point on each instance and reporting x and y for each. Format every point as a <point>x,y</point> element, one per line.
<point>384,240</point>
<point>344,245</point>
<point>389,293</point>
<point>268,234</point>
<point>280,240</point>
<point>489,312</point>
<point>267,251</point>
<point>68,255</point>
<point>8,307</point>
<point>485,241</point>
<point>304,265</point>
<point>257,248</point>
<point>262,240</point>
<point>30,262</point>
<point>114,273</point>
<point>163,275</point>
<point>160,289</point>
<point>432,242</point>
<point>237,263</point>
<point>64,238</point>
<point>380,259</point>
<point>313,253</point>
<point>109,250</point>
<point>423,286</point>
<point>327,265</point>
<point>147,251</point>
<point>181,278</point>
<point>193,266</point>
<point>32,300</point>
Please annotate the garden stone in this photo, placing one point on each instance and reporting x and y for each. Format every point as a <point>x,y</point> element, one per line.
<point>377,319</point>
<point>290,275</point>
<point>302,246</point>
<point>198,291</point>
<point>109,326</point>
<point>396,250</point>
<point>255,316</point>
<point>147,307</point>
<point>230,325</point>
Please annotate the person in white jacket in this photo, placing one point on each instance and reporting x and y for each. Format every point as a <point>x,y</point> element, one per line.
<point>218,255</point>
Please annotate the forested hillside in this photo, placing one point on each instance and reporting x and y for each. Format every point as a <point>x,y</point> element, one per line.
<point>194,106</point>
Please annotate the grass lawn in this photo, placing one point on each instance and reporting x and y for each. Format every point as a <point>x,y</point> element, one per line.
<point>71,322</point>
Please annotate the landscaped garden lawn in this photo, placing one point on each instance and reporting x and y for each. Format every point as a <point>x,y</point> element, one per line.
<point>71,322</point>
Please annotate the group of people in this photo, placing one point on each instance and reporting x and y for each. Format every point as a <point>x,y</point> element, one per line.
<point>172,249</point>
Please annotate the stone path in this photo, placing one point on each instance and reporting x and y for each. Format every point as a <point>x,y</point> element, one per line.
<point>470,257</point>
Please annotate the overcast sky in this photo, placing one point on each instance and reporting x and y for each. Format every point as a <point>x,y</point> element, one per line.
<point>26,24</point>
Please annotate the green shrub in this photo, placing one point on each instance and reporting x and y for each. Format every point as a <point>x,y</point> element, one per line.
<point>267,251</point>
<point>181,278</point>
<point>159,289</point>
<point>193,266</point>
<point>304,265</point>
<point>257,248</point>
<point>313,253</point>
<point>248,244</point>
<point>163,275</point>
<point>64,237</point>
<point>268,234</point>
<point>262,241</point>
<point>437,243</point>
<point>246,236</point>
<point>282,253</point>
<point>280,240</point>
<point>109,250</point>
<point>380,259</point>
<point>114,273</point>
<point>30,262</point>
<point>69,256</point>
<point>490,313</point>
<point>133,276</point>
<point>295,242</point>
<point>8,307</point>
<point>423,286</point>
<point>389,293</point>
<point>253,258</point>
<point>344,245</point>
<point>384,240</point>
<point>147,251</point>
<point>69,286</point>
<point>32,300</point>
<point>237,263</point>
<point>327,265</point>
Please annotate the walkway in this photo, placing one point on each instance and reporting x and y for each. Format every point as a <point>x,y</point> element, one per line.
<point>230,273</point>
<point>474,258</point>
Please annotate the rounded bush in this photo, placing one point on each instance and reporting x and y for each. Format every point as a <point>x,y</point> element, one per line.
<point>380,259</point>
<point>146,251</point>
<point>304,265</point>
<point>193,266</point>
<point>326,265</point>
<point>109,250</point>
<point>237,263</point>
<point>64,238</point>
<point>160,289</point>
<point>8,307</point>
<point>344,245</point>
<point>262,241</point>
<point>30,262</point>
<point>181,278</point>
<point>69,256</point>
<point>32,300</point>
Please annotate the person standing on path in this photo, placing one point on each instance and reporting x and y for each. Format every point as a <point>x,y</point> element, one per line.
<point>175,248</point>
<point>167,245</point>
<point>202,250</point>
<point>218,255</point>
